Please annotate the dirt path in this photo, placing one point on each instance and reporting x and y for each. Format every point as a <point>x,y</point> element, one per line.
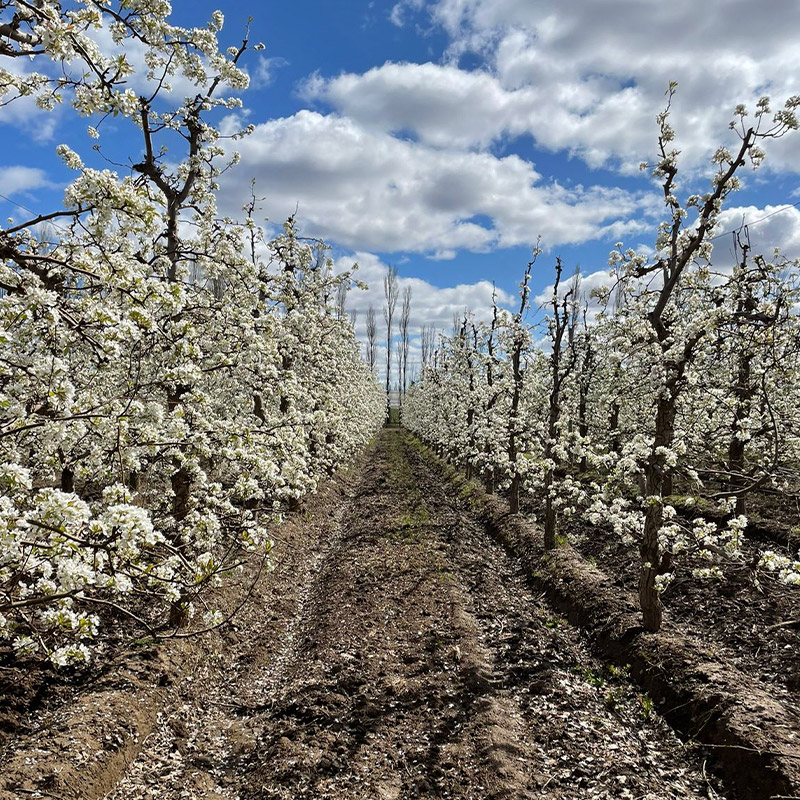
<point>405,658</point>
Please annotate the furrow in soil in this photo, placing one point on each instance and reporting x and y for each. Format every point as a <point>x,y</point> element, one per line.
<point>408,658</point>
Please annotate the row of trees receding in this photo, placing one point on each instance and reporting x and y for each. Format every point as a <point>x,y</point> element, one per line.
<point>170,380</point>
<point>686,378</point>
<point>398,347</point>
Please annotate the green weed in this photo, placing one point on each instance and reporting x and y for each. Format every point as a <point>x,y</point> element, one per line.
<point>591,677</point>
<point>647,706</point>
<point>619,673</point>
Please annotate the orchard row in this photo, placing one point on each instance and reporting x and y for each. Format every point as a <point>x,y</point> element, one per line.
<point>170,380</point>
<point>675,386</point>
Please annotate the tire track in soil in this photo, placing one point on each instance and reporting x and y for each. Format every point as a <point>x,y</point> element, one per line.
<point>204,731</point>
<point>408,659</point>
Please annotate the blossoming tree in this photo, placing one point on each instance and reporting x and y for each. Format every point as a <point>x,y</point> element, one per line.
<point>673,331</point>
<point>169,381</point>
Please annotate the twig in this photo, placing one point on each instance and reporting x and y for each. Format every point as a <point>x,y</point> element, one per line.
<point>709,790</point>
<point>785,624</point>
<point>231,615</point>
<point>749,750</point>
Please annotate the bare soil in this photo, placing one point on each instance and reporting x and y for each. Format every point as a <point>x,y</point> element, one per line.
<point>749,618</point>
<point>397,651</point>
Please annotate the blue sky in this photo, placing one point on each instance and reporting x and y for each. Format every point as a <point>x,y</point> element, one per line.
<point>445,136</point>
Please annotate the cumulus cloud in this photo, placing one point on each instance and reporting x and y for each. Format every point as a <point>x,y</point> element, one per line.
<point>431,305</point>
<point>768,227</point>
<point>20,180</point>
<point>367,190</point>
<point>442,105</point>
<point>585,78</point>
<point>582,286</point>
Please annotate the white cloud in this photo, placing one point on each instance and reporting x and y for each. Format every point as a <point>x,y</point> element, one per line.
<point>586,285</point>
<point>443,105</point>
<point>265,70</point>
<point>430,305</point>
<point>768,227</point>
<point>23,113</point>
<point>585,77</point>
<point>397,15</point>
<point>367,190</point>
<point>179,85</point>
<point>22,180</point>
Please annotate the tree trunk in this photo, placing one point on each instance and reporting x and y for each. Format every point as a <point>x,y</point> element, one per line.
<point>650,548</point>
<point>549,513</point>
<point>552,434</point>
<point>470,433</point>
<point>743,394</point>
<point>649,601</point>
<point>513,494</point>
<point>613,427</point>
<point>181,483</point>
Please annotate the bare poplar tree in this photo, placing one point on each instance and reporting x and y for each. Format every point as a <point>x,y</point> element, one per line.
<point>405,318</point>
<point>398,360</point>
<point>353,318</point>
<point>456,324</point>
<point>427,341</point>
<point>391,289</point>
<point>341,299</point>
<point>372,339</point>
